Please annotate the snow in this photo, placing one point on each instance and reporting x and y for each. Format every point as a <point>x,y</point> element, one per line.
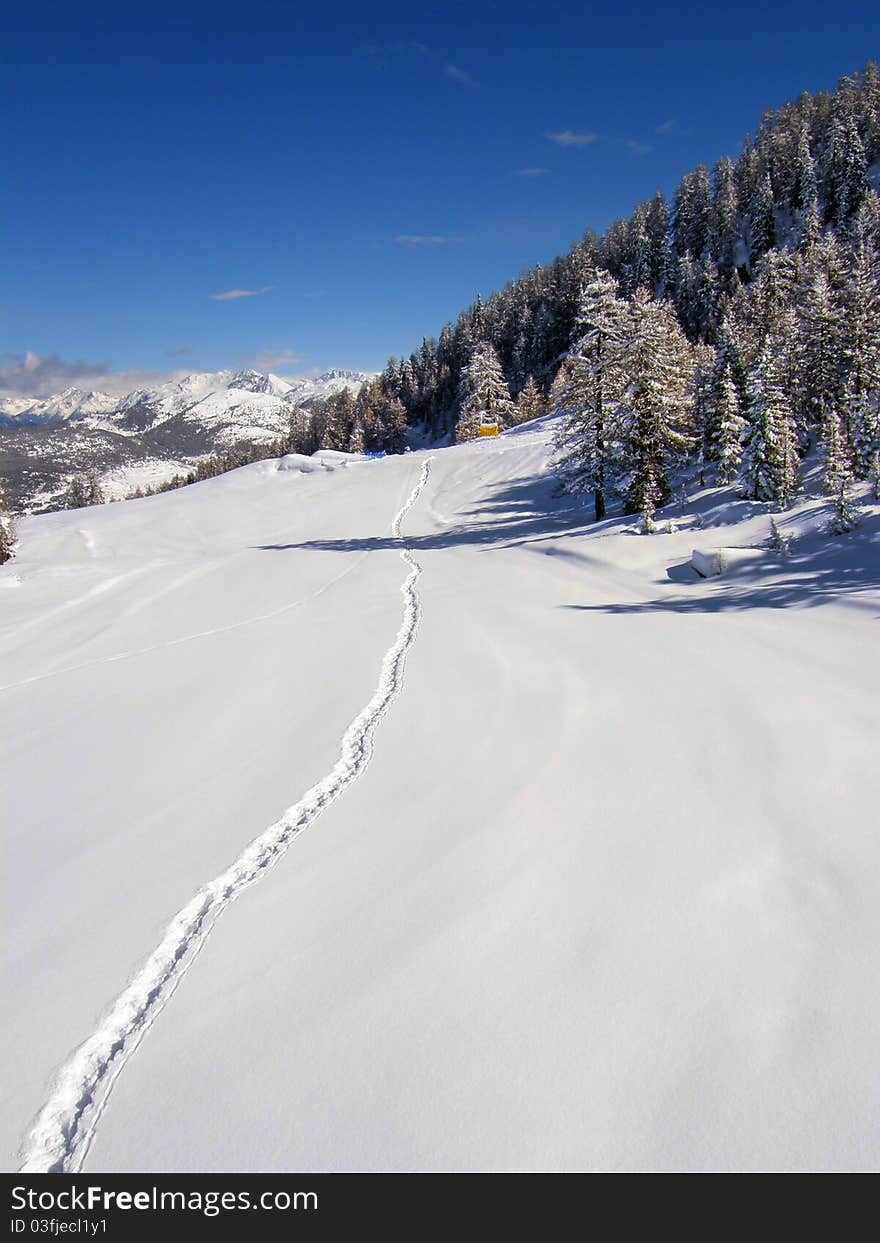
<point>603,895</point>
<point>207,394</point>
<point>73,403</point>
<point>713,561</point>
<point>119,483</point>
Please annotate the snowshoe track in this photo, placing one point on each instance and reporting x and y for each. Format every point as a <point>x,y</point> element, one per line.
<point>60,1137</point>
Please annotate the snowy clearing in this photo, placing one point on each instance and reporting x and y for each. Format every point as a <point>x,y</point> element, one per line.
<point>605,897</point>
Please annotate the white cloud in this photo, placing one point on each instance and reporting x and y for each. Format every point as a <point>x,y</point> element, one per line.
<point>230,294</point>
<point>530,172</point>
<point>638,148</point>
<point>572,138</point>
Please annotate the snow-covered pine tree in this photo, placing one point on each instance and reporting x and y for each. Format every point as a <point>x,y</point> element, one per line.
<point>845,517</point>
<point>779,540</point>
<point>819,345</point>
<point>392,425</point>
<point>530,404</point>
<point>861,341</point>
<point>836,468</point>
<point>762,218</point>
<point>806,191</point>
<point>647,525</point>
<point>657,403</point>
<point>862,420</point>
<point>770,463</point>
<point>357,441</point>
<point>340,418</point>
<point>7,532</point>
<point>593,386</point>
<point>731,424</point>
<point>84,490</point>
<point>846,168</point>
<point>484,396</point>
<point>724,216</point>
<point>691,213</point>
<point>727,369</point>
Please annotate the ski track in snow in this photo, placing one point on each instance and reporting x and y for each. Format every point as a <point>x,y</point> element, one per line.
<point>63,1131</point>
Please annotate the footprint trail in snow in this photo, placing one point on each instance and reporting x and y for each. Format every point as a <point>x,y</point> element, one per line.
<point>61,1135</point>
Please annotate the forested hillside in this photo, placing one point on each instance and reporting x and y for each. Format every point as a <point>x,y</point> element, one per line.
<point>734,324</point>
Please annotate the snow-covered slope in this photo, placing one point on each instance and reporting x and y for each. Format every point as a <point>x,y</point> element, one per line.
<point>566,857</point>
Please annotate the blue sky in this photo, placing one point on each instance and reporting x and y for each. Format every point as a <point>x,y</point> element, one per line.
<point>355,176</point>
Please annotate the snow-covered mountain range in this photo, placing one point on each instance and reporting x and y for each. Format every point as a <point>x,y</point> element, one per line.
<point>224,388</point>
<point>160,430</point>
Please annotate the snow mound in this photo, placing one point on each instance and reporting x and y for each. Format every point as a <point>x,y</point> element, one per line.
<point>712,562</point>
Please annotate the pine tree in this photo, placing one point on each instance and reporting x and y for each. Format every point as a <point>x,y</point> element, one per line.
<point>862,421</point>
<point>340,419</point>
<point>846,515</point>
<point>392,425</point>
<point>770,462</point>
<point>647,526</point>
<point>84,490</point>
<point>836,470</point>
<point>724,218</point>
<point>357,440</point>
<point>484,396</point>
<point>657,422</point>
<point>820,346</point>
<point>846,170</point>
<point>721,404</point>
<point>530,404</point>
<point>860,333</point>
<point>731,426</point>
<point>691,213</point>
<point>806,191</point>
<point>590,395</point>
<point>7,533</point>
<point>762,218</point>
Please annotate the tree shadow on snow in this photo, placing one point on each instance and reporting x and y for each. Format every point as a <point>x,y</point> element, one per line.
<point>519,512</point>
<point>822,570</point>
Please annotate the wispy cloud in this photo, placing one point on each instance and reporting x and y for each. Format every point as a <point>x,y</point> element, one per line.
<point>275,358</point>
<point>422,239</point>
<point>530,172</point>
<point>230,294</point>
<point>572,138</point>
<point>669,127</point>
<point>638,148</point>
<point>36,375</point>
<point>459,75</point>
<point>185,351</point>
